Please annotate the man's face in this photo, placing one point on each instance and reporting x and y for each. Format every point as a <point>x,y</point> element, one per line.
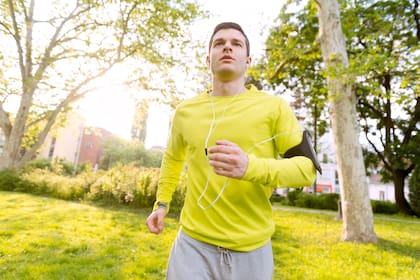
<point>228,58</point>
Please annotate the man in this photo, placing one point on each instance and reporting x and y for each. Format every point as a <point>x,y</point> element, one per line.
<point>230,139</point>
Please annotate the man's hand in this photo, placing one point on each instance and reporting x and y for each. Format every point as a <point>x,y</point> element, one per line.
<point>155,221</point>
<point>228,159</point>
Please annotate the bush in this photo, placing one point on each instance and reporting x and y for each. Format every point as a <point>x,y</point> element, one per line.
<point>306,200</point>
<point>384,207</point>
<point>41,163</point>
<point>44,182</point>
<point>123,184</point>
<point>10,180</point>
<point>329,201</point>
<point>278,198</point>
<point>134,186</point>
<point>292,196</point>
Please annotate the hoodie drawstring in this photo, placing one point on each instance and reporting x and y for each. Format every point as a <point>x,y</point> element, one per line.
<point>225,257</point>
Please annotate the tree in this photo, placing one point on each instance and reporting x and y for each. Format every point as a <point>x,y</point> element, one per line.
<point>384,45</point>
<point>293,65</point>
<point>383,49</point>
<point>139,125</point>
<point>357,211</point>
<point>53,54</point>
<point>414,193</point>
<point>117,150</point>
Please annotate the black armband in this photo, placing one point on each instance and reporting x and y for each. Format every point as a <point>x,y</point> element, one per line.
<point>305,149</point>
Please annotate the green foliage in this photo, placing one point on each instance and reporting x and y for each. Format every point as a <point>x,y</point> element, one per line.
<point>322,201</point>
<point>120,151</point>
<point>122,184</point>
<point>292,196</point>
<point>414,194</point>
<point>47,183</point>
<point>11,180</point>
<point>126,184</point>
<point>383,48</point>
<point>384,207</point>
<point>329,201</point>
<point>41,163</point>
<point>278,198</point>
<point>293,64</point>
<point>59,62</point>
<point>62,167</point>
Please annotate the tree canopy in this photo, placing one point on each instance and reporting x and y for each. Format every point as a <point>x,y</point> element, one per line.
<point>52,54</point>
<point>383,47</point>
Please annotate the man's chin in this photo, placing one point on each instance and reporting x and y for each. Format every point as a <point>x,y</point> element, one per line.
<point>226,74</point>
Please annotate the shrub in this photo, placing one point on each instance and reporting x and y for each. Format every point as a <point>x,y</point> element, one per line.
<point>123,184</point>
<point>306,200</point>
<point>41,163</point>
<point>292,196</point>
<point>63,167</point>
<point>126,184</point>
<point>58,186</point>
<point>278,198</point>
<point>179,194</point>
<point>328,201</point>
<point>10,180</point>
<point>384,207</point>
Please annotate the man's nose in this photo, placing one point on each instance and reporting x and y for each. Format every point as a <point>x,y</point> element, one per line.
<point>227,47</point>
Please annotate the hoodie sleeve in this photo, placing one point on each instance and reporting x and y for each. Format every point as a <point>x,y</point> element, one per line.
<point>297,171</point>
<point>172,165</point>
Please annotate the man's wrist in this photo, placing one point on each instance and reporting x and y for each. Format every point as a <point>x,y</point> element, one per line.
<point>162,205</point>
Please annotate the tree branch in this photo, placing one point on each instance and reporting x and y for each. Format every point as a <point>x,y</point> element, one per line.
<point>45,61</point>
<point>16,36</point>
<point>380,155</point>
<point>413,122</point>
<point>74,95</point>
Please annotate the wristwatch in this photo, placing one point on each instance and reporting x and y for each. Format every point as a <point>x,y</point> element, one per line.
<point>163,205</point>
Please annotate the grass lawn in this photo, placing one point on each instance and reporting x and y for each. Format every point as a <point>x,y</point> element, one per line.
<point>44,238</point>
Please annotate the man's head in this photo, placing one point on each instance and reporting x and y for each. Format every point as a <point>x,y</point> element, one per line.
<point>228,56</point>
<point>230,25</point>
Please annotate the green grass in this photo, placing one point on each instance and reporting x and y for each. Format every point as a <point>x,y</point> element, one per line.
<point>44,238</point>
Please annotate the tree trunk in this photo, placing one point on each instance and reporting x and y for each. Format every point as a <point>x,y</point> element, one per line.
<point>356,207</point>
<point>398,179</point>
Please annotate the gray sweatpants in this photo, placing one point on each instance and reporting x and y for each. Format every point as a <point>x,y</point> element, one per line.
<point>191,259</point>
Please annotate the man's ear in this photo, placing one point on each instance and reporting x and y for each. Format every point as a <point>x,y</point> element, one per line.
<point>248,60</point>
<point>208,60</point>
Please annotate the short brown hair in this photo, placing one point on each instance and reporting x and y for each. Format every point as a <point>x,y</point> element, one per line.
<point>230,25</point>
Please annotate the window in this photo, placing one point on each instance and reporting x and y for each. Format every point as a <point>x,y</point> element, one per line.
<point>381,195</point>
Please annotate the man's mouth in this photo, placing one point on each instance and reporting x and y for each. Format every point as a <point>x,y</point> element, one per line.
<point>227,57</point>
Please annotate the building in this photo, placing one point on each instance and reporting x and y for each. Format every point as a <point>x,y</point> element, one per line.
<point>75,143</point>
<point>90,149</point>
<point>64,143</point>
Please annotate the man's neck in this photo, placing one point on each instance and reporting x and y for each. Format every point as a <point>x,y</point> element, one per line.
<point>228,88</point>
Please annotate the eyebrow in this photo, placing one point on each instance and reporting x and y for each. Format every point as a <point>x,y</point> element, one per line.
<point>235,40</point>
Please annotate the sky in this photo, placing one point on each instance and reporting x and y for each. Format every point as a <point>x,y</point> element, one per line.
<point>111,107</point>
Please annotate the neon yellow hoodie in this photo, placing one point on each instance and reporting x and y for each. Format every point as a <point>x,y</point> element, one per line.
<point>265,127</point>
